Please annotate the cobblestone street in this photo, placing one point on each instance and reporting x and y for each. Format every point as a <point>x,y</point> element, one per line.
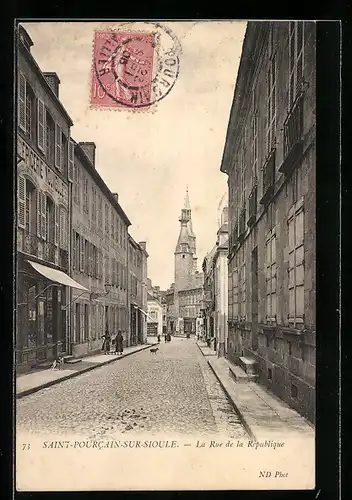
<point>172,391</point>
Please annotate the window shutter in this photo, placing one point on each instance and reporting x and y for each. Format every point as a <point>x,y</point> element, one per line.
<point>21,201</point>
<point>57,146</point>
<point>65,228</point>
<point>56,231</point>
<point>90,261</point>
<point>73,250</point>
<point>41,124</point>
<point>43,214</point>
<point>71,149</point>
<point>81,263</point>
<point>39,214</point>
<point>61,228</point>
<point>22,102</point>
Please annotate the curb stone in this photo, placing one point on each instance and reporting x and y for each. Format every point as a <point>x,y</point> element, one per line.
<point>45,385</point>
<point>238,412</point>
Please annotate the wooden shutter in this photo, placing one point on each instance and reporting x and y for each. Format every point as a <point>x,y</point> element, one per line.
<point>21,200</point>
<point>90,259</point>
<point>73,246</point>
<point>41,125</point>
<point>57,228</point>
<point>65,228</point>
<point>81,262</point>
<point>43,214</point>
<point>58,139</point>
<point>39,214</point>
<point>71,149</point>
<point>22,102</point>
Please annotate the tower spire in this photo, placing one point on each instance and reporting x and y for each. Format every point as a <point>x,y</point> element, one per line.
<point>187,205</point>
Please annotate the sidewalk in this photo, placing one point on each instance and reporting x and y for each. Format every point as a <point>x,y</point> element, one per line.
<point>32,382</point>
<point>263,415</point>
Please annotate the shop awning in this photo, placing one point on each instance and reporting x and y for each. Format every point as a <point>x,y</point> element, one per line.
<point>56,275</point>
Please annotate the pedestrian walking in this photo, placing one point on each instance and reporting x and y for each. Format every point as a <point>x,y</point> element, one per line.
<point>106,342</point>
<point>119,343</point>
<point>159,338</point>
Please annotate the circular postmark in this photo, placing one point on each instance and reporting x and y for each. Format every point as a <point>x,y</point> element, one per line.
<point>137,65</point>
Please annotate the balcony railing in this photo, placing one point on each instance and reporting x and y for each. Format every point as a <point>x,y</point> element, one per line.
<point>269,177</point>
<point>29,243</point>
<point>49,251</point>
<point>293,134</point>
<point>63,259</point>
<point>252,207</point>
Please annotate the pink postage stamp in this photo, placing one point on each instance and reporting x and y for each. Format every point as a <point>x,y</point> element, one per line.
<point>132,70</point>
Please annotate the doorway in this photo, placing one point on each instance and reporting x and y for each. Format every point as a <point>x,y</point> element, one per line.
<point>255,303</point>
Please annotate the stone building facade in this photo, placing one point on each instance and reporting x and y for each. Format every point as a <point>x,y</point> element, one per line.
<point>155,316</point>
<point>188,284</point>
<point>215,288</point>
<point>99,243</point>
<point>269,158</point>
<point>44,165</point>
<point>138,291</point>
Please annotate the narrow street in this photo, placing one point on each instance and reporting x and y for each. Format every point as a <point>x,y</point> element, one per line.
<point>173,391</point>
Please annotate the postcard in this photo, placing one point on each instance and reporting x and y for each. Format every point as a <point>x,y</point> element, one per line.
<point>166,249</point>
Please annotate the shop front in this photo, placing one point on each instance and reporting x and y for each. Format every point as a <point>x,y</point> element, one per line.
<point>42,295</point>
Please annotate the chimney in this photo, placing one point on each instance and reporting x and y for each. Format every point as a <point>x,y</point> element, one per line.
<point>25,38</point>
<point>143,244</point>
<point>116,196</point>
<point>89,149</point>
<point>53,81</point>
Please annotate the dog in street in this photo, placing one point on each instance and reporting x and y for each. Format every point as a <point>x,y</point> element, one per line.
<point>154,349</point>
<point>58,363</point>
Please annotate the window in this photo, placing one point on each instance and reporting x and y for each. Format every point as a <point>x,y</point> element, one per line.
<point>107,270</point>
<point>270,277</point>
<point>242,289</point>
<point>86,257</point>
<point>94,204</point>
<point>112,218</point>
<point>41,115</point>
<point>63,228</point>
<point>100,211</point>
<point>27,200</point>
<point>50,138</point>
<point>107,219</point>
<point>242,178</point>
<point>254,148</point>
<point>58,147</point>
<point>50,220</point>
<point>64,153</point>
<point>81,254</point>
<point>296,263</point>
<point>26,107</point>
<point>22,87</point>
<point>235,292</point>
<point>296,44</point>
<point>76,185</point>
<point>271,105</point>
<point>85,195</point>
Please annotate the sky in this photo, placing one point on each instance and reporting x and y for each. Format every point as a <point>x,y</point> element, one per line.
<point>149,158</point>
